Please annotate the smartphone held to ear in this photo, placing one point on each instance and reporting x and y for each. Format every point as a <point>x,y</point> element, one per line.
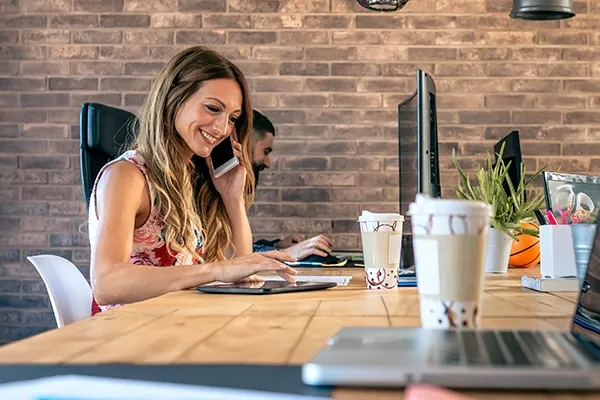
<point>222,158</point>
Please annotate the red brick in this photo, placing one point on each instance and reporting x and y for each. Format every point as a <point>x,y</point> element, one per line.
<point>9,130</point>
<point>28,6</point>
<point>67,146</point>
<point>580,54</point>
<point>545,54</point>
<point>459,101</point>
<point>386,53</point>
<point>484,117</point>
<point>134,99</point>
<point>148,37</point>
<point>43,162</point>
<point>9,162</point>
<point>276,21</point>
<point>45,224</point>
<point>460,37</point>
<point>357,37</point>
<point>331,117</point>
<point>9,193</point>
<point>250,37</point>
<point>573,165</point>
<point>303,37</point>
<point>22,115</point>
<point>73,52</point>
<point>303,163</point>
<point>96,68</point>
<point>266,100</point>
<point>536,117</point>
<point>305,6</point>
<point>510,38</point>
<point>520,70</point>
<point>355,69</point>
<point>44,131</point>
<point>257,6</point>
<point>570,70</point>
<point>563,38</point>
<point>72,83</point>
<point>24,239</point>
<point>19,52</point>
<point>44,68</point>
<point>382,85</point>
<point>379,147</point>
<point>45,36</point>
<point>581,149</point>
<point>286,116</point>
<point>510,101</point>
<point>9,67</point>
<point>534,85</point>
<point>562,133</point>
<point>124,52</point>
<point>64,116</point>
<point>278,84</point>
<point>200,37</point>
<point>562,101</point>
<point>356,101</point>
<point>226,21</point>
<point>176,21</point>
<point>148,6</point>
<point>303,131</point>
<point>473,85</point>
<point>303,100</point>
<point>74,21</point>
<point>413,37</point>
<point>330,85</point>
<point>343,195</point>
<point>405,69</point>
<point>582,117</point>
<point>9,6</point>
<point>356,163</point>
<point>459,132</point>
<point>330,53</point>
<point>315,226</point>
<point>44,99</point>
<point>378,116</point>
<point>431,54</point>
<point>589,21</point>
<point>22,21</point>
<point>430,22</point>
<point>92,37</point>
<point>582,85</point>
<point>483,54</point>
<point>277,53</point>
<point>99,5</point>
<point>266,226</point>
<point>9,99</point>
<point>202,5</point>
<point>328,22</point>
<point>124,21</point>
<point>461,6</point>
<point>331,148</point>
<point>125,84</point>
<point>300,68</point>
<point>460,70</point>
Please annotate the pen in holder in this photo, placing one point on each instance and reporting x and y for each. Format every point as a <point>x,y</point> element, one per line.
<point>556,252</point>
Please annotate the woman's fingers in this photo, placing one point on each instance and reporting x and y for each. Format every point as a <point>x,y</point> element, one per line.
<point>318,252</point>
<point>279,255</point>
<point>286,276</point>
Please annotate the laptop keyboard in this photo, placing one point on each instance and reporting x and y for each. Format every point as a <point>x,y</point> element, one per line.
<point>501,348</point>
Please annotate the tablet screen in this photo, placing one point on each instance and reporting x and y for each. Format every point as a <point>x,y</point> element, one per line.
<point>265,287</point>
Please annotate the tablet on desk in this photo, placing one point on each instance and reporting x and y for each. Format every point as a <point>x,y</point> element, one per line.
<point>266,287</point>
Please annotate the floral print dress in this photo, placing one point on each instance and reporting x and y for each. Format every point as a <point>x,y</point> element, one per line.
<point>149,246</point>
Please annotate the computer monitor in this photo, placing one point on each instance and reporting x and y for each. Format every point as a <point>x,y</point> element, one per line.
<point>512,154</point>
<point>418,159</point>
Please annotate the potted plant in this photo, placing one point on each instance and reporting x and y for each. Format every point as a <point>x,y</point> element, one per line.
<point>510,209</point>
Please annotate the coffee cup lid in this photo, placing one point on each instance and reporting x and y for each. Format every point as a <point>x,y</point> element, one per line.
<point>425,204</point>
<point>370,216</point>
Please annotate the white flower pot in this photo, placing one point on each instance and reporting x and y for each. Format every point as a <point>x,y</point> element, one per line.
<point>498,252</point>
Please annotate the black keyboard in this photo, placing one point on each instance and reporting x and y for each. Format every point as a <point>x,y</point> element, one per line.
<point>508,349</point>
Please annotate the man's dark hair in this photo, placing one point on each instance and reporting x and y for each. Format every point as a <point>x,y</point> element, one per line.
<point>261,125</point>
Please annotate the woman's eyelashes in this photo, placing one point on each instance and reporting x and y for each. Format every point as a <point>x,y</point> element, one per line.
<point>216,110</point>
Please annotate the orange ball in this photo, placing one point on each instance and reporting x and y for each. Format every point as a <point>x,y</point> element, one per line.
<point>525,252</point>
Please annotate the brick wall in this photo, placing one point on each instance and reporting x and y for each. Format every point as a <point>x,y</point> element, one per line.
<point>327,72</point>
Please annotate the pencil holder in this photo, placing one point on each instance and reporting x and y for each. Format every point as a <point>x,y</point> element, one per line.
<point>556,252</point>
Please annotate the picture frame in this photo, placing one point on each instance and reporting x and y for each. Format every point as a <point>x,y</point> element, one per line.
<point>572,198</point>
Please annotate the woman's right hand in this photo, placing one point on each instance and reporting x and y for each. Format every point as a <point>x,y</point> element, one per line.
<point>239,268</point>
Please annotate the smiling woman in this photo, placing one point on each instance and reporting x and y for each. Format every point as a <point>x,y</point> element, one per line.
<point>160,205</point>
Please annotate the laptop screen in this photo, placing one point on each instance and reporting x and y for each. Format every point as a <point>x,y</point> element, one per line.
<point>586,320</point>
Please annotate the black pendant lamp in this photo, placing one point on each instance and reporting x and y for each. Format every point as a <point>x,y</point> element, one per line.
<point>542,10</point>
<point>383,5</point>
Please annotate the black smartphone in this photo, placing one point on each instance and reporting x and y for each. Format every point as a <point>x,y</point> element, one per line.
<point>266,287</point>
<point>222,157</point>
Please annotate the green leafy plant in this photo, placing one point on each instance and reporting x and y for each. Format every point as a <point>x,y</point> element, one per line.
<point>510,210</point>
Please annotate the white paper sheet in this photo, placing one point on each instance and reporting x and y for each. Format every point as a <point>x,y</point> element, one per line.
<point>340,280</point>
<point>69,387</point>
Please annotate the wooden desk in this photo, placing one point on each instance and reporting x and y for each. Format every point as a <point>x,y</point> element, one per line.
<point>192,327</point>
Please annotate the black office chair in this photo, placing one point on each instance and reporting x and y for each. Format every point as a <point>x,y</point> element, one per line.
<point>104,131</point>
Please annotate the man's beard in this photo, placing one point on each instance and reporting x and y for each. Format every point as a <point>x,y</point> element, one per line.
<point>257,168</point>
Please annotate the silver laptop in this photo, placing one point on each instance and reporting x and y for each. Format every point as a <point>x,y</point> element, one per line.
<point>491,359</point>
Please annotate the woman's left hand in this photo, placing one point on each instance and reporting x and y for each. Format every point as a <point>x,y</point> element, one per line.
<point>231,185</point>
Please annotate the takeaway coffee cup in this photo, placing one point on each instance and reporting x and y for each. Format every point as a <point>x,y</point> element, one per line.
<point>381,236</point>
<point>450,241</point>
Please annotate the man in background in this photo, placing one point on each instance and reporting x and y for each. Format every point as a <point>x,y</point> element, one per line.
<point>263,135</point>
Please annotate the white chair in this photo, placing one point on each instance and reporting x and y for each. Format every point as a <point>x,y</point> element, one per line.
<point>70,294</point>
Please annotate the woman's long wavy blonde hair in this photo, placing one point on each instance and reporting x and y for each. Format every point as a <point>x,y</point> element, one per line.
<point>185,195</point>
